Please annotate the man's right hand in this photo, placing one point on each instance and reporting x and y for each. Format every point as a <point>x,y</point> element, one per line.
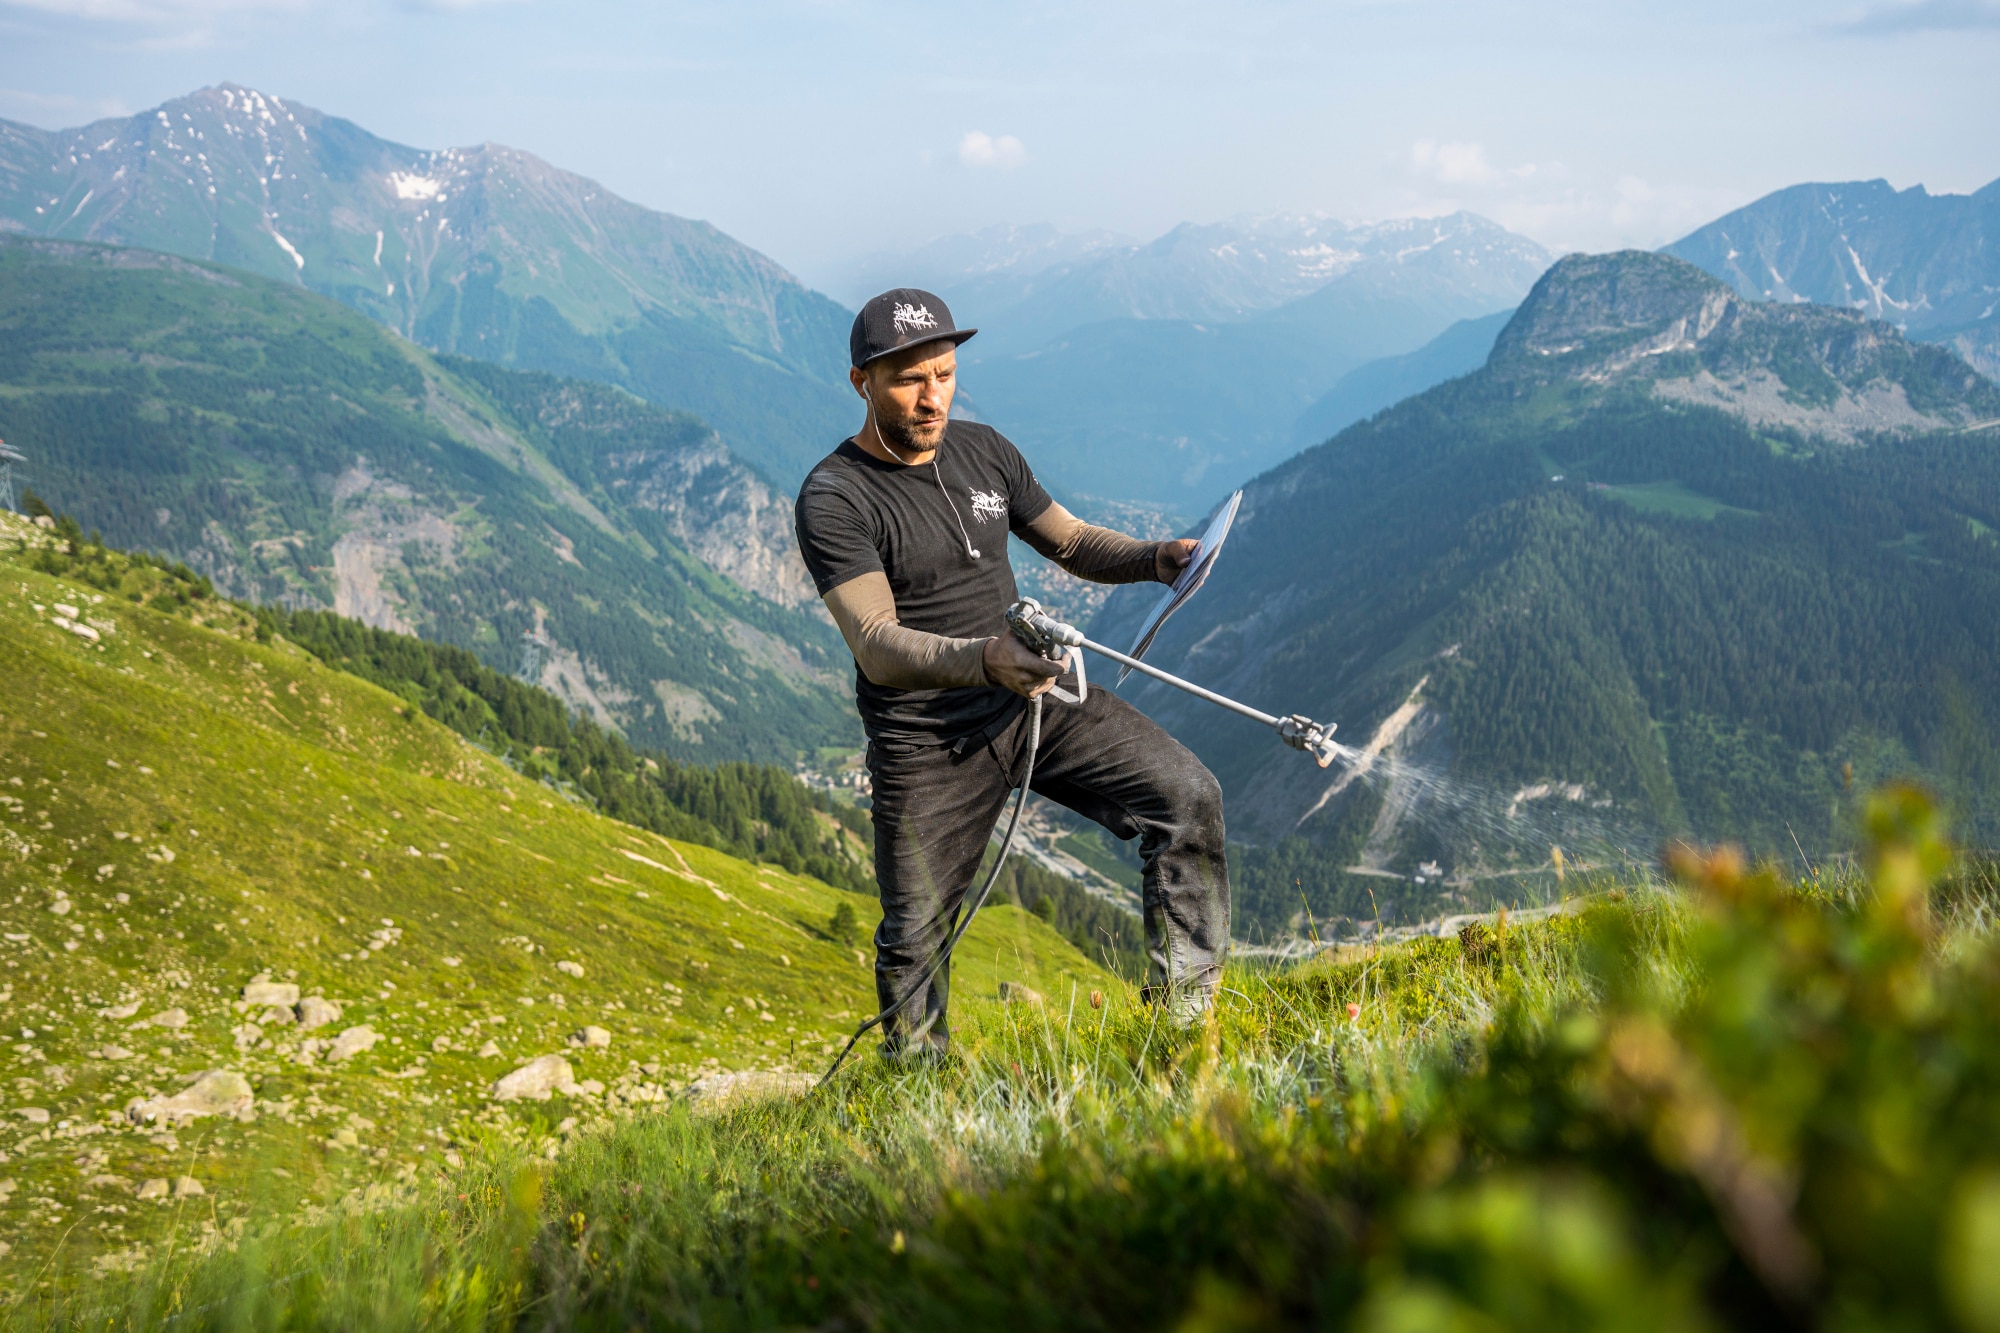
<point>1012,665</point>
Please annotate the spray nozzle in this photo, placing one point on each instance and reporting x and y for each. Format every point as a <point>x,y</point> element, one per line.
<point>1042,632</point>
<point>1302,733</point>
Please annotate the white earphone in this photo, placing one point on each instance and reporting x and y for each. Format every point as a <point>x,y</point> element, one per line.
<point>970,549</point>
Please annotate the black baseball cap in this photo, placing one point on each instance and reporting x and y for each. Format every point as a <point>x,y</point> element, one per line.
<point>899,318</point>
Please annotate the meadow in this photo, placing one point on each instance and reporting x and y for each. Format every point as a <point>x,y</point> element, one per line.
<point>1721,1096</point>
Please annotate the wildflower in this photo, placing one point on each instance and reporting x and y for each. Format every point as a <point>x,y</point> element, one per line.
<point>1353,1010</point>
<point>1097,999</point>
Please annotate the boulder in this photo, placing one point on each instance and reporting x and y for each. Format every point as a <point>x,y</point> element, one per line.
<point>716,1092</point>
<point>353,1041</point>
<point>1013,992</point>
<point>316,1011</point>
<point>590,1038</point>
<point>489,1050</point>
<point>126,1010</point>
<point>156,1188</point>
<point>34,1115</point>
<point>169,1018</point>
<point>538,1079</point>
<point>213,1092</point>
<point>284,993</point>
<point>569,969</point>
<point>187,1187</point>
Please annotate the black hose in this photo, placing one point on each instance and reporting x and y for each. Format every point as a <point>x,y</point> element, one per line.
<point>979,900</point>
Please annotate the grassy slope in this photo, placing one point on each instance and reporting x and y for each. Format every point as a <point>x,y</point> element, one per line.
<point>304,809</point>
<point>267,435</point>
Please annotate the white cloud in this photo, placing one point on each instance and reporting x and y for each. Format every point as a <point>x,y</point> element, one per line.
<point>1461,164</point>
<point>980,149</point>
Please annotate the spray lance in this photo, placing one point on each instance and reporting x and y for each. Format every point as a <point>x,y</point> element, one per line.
<point>1065,644</point>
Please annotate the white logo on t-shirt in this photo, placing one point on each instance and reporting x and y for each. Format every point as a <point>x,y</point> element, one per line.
<point>988,504</point>
<point>907,317</point>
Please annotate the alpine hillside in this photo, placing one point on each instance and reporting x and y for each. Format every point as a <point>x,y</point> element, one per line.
<point>1670,562</point>
<point>297,453</point>
<point>485,251</point>
<point>1927,263</point>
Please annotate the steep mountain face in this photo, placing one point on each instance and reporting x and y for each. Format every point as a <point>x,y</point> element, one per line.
<point>484,251</point>
<point>1671,562</point>
<point>1386,381</point>
<point>1171,371</point>
<point>295,452</point>
<point>1929,264</point>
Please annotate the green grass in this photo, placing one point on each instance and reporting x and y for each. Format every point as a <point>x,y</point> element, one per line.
<point>1729,1102</point>
<point>211,809</point>
<point>1672,499</point>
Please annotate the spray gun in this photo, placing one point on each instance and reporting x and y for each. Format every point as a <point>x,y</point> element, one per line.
<point>1058,642</point>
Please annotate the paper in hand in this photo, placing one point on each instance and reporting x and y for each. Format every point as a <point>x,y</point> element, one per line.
<point>1192,576</point>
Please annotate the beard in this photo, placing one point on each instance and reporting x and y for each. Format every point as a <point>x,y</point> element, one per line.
<point>911,437</point>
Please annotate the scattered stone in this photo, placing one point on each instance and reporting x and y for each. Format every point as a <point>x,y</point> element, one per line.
<point>34,1115</point>
<point>281,1016</point>
<point>590,1087</point>
<point>107,1182</point>
<point>120,1010</point>
<point>316,1011</point>
<point>213,1092</point>
<point>591,1038</point>
<point>283,993</point>
<point>61,906</point>
<point>156,1188</point>
<point>1013,992</point>
<point>538,1078</point>
<point>439,1045</point>
<point>187,1187</point>
<point>247,1036</point>
<point>169,1018</point>
<point>715,1092</point>
<point>489,1050</point>
<point>353,1041</point>
<point>114,1053</point>
<point>570,969</point>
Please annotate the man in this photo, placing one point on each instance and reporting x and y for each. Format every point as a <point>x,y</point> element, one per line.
<point>904,528</point>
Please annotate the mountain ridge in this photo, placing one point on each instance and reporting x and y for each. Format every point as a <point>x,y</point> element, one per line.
<point>486,251</point>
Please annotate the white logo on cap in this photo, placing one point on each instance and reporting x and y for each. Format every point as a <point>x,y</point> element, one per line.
<point>988,504</point>
<point>907,317</point>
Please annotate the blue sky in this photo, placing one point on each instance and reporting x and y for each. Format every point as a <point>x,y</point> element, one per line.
<point>824,130</point>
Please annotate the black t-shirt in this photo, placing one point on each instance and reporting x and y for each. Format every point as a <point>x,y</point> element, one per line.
<point>857,514</point>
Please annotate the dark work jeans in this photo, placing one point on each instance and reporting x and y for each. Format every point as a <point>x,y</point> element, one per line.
<point>935,808</point>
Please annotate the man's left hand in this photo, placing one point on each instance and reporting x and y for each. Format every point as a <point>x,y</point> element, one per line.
<point>1170,558</point>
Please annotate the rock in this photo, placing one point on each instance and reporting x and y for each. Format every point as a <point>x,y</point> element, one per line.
<point>439,1045</point>
<point>155,1188</point>
<point>570,969</point>
<point>213,1092</point>
<point>187,1187</point>
<point>489,1050</point>
<point>271,992</point>
<point>538,1078</point>
<point>34,1115</point>
<point>316,1011</point>
<point>353,1041</point>
<point>107,1182</point>
<point>715,1092</point>
<point>169,1018</point>
<point>1013,992</point>
<point>114,1052</point>
<point>282,1016</point>
<point>591,1038</point>
<point>590,1087</point>
<point>120,1010</point>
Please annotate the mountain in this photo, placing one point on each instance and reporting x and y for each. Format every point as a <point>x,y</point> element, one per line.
<point>1672,562</point>
<point>295,452</point>
<point>485,251</point>
<point>1172,371</point>
<point>1004,254</point>
<point>1367,389</point>
<point>203,825</point>
<point>1929,264</point>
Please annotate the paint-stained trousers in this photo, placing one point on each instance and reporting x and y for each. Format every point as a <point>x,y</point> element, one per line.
<point>935,806</point>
